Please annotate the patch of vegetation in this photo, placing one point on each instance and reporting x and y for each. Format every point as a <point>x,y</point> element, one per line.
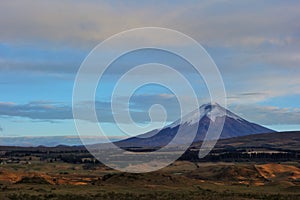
<point>196,195</point>
<point>33,180</point>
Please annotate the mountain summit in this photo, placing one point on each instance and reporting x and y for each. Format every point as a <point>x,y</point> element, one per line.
<point>234,126</point>
<point>210,110</point>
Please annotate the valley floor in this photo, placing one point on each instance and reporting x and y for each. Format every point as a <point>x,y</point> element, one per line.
<point>181,180</point>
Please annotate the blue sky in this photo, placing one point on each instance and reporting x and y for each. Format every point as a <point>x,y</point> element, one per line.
<point>255,44</point>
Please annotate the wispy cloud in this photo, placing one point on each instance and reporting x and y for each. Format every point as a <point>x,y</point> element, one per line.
<point>252,93</point>
<point>41,111</point>
<point>36,110</point>
<point>268,115</point>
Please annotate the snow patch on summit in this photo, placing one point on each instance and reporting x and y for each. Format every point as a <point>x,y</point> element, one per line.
<point>215,110</point>
<point>212,111</point>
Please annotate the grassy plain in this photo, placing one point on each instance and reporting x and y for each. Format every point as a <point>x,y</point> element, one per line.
<point>181,180</point>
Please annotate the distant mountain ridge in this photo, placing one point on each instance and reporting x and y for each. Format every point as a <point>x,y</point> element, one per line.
<point>288,140</point>
<point>48,141</point>
<point>234,126</point>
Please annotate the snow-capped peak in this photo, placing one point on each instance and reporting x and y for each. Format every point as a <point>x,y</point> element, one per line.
<point>210,110</point>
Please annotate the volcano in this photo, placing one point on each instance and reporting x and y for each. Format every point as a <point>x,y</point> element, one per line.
<point>234,126</point>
